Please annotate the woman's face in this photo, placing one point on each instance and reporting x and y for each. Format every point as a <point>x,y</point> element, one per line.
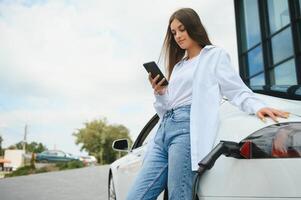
<point>180,35</point>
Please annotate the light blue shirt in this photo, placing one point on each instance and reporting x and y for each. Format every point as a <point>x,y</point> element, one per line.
<point>214,77</point>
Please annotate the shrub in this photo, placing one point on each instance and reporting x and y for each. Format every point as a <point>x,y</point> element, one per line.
<point>48,168</point>
<point>70,165</point>
<point>21,171</point>
<point>26,170</point>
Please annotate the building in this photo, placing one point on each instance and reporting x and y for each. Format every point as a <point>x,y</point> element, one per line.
<point>16,158</point>
<point>269,45</point>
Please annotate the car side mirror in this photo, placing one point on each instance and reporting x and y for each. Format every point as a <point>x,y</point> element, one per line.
<point>121,145</point>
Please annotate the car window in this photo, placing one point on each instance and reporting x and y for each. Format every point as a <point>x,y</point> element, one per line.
<point>146,132</point>
<point>61,154</point>
<point>51,153</point>
<point>151,134</point>
<point>281,140</point>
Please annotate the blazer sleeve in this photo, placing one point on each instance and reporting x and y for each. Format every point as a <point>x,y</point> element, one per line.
<point>234,88</point>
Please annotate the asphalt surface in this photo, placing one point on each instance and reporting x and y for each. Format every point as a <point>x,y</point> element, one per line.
<point>89,183</point>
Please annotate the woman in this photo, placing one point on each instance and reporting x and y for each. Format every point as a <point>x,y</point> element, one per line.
<point>199,74</point>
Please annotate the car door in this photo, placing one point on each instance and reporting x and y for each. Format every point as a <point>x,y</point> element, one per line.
<point>130,165</point>
<point>51,156</point>
<point>61,156</point>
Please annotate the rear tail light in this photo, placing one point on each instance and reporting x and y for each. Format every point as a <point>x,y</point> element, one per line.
<point>275,141</point>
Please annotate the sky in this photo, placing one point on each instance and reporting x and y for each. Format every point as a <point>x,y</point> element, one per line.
<point>67,62</point>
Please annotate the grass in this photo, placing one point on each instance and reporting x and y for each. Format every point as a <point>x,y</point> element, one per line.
<point>27,170</point>
<point>70,165</point>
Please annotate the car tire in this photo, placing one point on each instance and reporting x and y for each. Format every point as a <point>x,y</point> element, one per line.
<point>111,188</point>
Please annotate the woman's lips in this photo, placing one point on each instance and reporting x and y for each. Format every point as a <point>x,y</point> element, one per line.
<point>181,41</point>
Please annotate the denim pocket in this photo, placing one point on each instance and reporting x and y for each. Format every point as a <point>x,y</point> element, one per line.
<point>180,116</point>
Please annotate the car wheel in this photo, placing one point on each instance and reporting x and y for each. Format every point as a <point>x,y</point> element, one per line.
<point>111,188</point>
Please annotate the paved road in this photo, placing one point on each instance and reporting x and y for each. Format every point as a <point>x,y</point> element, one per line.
<point>89,183</point>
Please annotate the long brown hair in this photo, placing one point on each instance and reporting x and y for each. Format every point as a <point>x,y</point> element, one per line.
<point>196,31</point>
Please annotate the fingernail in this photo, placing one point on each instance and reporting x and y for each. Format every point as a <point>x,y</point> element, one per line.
<point>263,119</point>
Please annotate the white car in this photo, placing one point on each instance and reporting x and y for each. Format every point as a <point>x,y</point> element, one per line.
<point>88,160</point>
<point>268,165</point>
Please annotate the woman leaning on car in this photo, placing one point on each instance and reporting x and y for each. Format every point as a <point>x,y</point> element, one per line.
<point>199,75</point>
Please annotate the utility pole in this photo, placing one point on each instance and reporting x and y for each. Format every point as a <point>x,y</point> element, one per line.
<point>25,138</point>
<point>24,145</point>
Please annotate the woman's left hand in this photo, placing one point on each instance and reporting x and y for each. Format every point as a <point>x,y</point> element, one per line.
<point>272,113</point>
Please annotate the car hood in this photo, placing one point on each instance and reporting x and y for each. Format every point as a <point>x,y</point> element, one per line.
<point>231,116</point>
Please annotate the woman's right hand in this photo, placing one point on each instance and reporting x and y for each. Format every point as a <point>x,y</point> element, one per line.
<point>158,88</point>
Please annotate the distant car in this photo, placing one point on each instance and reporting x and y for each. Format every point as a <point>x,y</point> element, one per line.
<point>269,168</point>
<point>73,156</point>
<point>54,156</point>
<point>88,160</point>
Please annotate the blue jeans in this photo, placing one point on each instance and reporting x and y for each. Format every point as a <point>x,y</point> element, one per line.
<point>169,162</point>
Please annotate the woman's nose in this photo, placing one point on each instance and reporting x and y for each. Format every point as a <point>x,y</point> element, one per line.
<point>178,35</point>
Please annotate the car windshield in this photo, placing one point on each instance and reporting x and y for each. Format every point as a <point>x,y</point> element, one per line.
<point>284,91</point>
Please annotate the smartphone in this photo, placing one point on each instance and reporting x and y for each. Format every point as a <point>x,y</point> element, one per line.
<point>152,67</point>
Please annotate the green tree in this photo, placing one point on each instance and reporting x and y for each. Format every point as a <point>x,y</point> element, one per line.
<point>97,137</point>
<point>35,147</point>
<point>1,140</point>
<point>32,147</point>
<point>1,150</point>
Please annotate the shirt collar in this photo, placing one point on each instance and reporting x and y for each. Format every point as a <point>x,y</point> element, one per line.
<point>210,46</point>
<point>207,47</point>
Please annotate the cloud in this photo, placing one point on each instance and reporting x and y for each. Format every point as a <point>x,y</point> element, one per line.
<point>64,63</point>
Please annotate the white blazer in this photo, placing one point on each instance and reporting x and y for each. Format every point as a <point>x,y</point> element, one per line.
<point>214,78</point>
